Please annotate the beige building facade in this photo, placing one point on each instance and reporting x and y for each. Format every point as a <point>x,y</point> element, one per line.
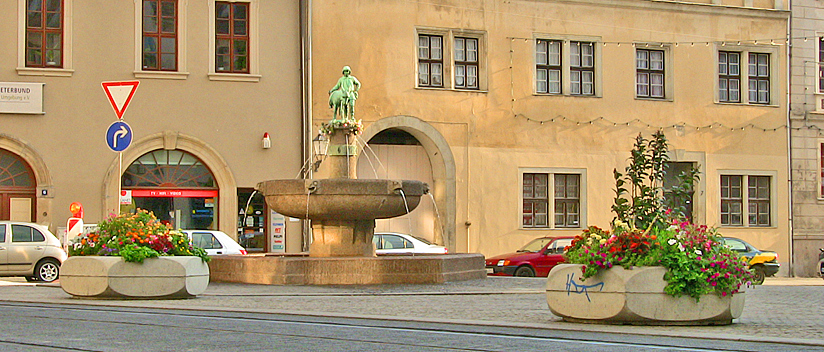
<point>524,108</point>
<point>807,120</point>
<point>214,78</point>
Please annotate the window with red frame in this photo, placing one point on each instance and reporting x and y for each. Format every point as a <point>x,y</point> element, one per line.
<point>160,35</point>
<point>232,37</point>
<point>44,33</point>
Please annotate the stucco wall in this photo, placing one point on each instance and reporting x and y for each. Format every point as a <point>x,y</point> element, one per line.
<point>229,117</point>
<point>497,130</point>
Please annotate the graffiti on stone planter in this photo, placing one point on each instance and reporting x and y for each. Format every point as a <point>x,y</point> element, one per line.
<point>579,289</point>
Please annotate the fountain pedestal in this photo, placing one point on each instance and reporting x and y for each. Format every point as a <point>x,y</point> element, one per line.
<point>342,238</point>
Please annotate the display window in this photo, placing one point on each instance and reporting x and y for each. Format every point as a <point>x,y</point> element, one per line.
<point>176,186</point>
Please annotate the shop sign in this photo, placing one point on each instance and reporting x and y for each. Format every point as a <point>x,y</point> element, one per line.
<point>21,98</point>
<point>166,193</point>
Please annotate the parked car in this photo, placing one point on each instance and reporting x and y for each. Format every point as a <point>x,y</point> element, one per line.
<point>30,250</point>
<point>214,242</point>
<point>536,258</point>
<point>397,243</point>
<point>762,263</point>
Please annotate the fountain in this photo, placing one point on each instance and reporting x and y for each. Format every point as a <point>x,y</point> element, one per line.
<point>343,210</point>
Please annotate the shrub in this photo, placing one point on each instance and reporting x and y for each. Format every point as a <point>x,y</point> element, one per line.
<point>134,237</point>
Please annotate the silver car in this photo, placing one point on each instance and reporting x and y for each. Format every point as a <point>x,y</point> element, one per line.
<point>29,250</point>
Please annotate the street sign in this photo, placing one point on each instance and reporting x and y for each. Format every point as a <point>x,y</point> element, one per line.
<point>120,95</point>
<point>119,136</point>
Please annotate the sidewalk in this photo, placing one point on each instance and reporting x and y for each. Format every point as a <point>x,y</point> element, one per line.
<point>789,310</point>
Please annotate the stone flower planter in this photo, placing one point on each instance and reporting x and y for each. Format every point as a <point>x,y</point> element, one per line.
<point>620,296</point>
<point>155,278</point>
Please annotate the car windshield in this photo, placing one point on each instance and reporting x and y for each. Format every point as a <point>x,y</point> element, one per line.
<point>536,245</point>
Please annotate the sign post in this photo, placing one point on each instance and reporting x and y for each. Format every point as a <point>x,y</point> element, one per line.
<point>119,134</point>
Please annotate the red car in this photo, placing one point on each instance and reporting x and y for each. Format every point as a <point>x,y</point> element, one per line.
<point>537,258</point>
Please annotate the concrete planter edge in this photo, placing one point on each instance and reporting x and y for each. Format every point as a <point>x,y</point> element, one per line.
<point>636,296</point>
<point>106,277</point>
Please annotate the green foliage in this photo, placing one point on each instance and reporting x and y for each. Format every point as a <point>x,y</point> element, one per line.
<point>696,259</point>
<point>639,195</point>
<point>135,237</point>
<point>649,230</point>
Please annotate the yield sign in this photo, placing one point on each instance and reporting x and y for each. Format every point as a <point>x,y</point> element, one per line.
<point>120,95</point>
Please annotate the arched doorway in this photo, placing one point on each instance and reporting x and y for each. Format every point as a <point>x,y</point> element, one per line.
<point>442,161</point>
<point>17,188</point>
<point>176,185</point>
<point>396,154</point>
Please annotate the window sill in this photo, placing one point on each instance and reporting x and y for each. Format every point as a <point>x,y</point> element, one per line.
<point>669,100</point>
<point>161,75</point>
<point>47,72</point>
<point>234,77</point>
<point>741,227</point>
<point>551,228</point>
<point>566,95</point>
<point>454,90</point>
<point>747,104</point>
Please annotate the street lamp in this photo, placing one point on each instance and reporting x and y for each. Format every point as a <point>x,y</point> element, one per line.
<point>320,145</point>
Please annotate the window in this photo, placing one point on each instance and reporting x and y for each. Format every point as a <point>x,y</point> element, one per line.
<point>536,200</point>
<point>23,233</point>
<point>759,72</point>
<point>159,45</point>
<point>581,68</point>
<point>395,242</point>
<point>820,167</point>
<point>205,240</point>
<point>820,65</point>
<point>44,33</point>
<point>232,37</point>
<point>758,190</point>
<point>548,66</point>
<point>2,233</point>
<point>754,204</point>
<point>567,200</point>
<point>233,49</point>
<point>450,59</point>
<point>649,66</point>
<point>564,204</point>
<point>466,63</point>
<point>430,61</point>
<point>565,66</point>
<point>729,77</point>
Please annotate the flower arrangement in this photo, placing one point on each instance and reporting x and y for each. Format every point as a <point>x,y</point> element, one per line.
<point>355,126</point>
<point>649,230</point>
<point>134,237</point>
<point>697,261</point>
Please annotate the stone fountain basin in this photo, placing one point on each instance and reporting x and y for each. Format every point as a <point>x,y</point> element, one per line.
<point>342,199</point>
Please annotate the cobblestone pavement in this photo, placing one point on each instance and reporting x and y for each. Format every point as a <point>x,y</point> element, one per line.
<point>782,310</point>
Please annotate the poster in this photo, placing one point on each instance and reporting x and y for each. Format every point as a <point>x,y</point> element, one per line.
<point>277,227</point>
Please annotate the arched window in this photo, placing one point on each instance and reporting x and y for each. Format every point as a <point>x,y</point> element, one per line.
<point>168,168</point>
<point>14,171</point>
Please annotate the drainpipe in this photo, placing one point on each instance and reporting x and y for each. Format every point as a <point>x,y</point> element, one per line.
<point>306,101</point>
<point>790,227</point>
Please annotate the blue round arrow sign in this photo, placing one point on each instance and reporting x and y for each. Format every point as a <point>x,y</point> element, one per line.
<point>119,136</point>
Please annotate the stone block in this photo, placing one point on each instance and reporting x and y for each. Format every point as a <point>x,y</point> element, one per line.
<point>620,296</point>
<point>155,278</point>
<point>301,270</point>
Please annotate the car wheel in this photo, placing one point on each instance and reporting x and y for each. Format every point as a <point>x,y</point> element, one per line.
<point>525,271</point>
<point>759,275</point>
<point>47,270</point>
